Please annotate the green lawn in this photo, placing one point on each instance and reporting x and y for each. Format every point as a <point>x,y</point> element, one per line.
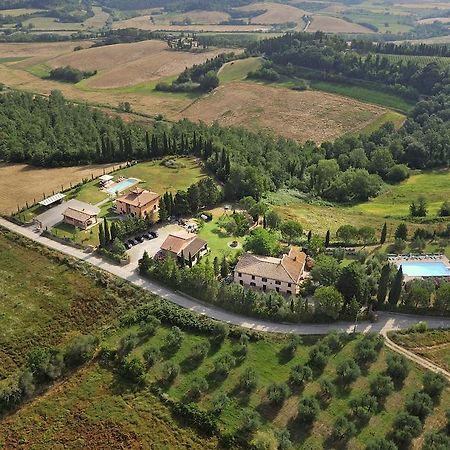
<point>395,201</point>
<point>82,237</point>
<point>391,116</point>
<point>218,240</point>
<point>238,70</point>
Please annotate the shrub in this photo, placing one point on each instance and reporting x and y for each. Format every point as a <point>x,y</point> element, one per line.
<point>133,369</point>
<point>367,349</point>
<point>127,344</point>
<point>80,350</point>
<point>308,409</point>
<point>250,421</point>
<point>199,386</point>
<point>149,326</point>
<point>363,408</point>
<point>419,405</point>
<point>169,371</point>
<point>397,367</point>
<point>220,402</point>
<point>434,384</point>
<point>347,372</point>
<point>343,429</point>
<point>248,379</point>
<point>277,393</point>
<point>300,374</point>
<point>317,359</point>
<point>264,440</point>
<point>334,341</point>
<point>327,390</point>
<point>293,343</point>
<point>151,356</point>
<point>223,364</point>
<point>406,428</point>
<point>174,339</point>
<point>199,351</point>
<point>381,386</point>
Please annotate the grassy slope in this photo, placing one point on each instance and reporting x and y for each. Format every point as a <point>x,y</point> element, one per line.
<point>238,70</point>
<point>395,201</point>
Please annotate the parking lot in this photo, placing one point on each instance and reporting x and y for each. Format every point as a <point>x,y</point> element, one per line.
<point>152,246</point>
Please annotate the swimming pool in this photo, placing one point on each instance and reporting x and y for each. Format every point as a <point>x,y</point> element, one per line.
<point>425,269</point>
<point>121,186</point>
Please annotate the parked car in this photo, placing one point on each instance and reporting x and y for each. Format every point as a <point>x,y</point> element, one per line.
<point>154,234</point>
<point>147,236</point>
<point>132,242</point>
<point>140,239</point>
<point>128,245</point>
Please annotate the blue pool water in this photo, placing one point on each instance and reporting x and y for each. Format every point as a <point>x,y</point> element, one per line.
<point>119,187</point>
<point>425,269</point>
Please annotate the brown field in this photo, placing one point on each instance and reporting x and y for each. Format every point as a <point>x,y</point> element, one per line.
<point>20,183</point>
<point>276,13</point>
<point>143,23</point>
<point>196,17</point>
<point>99,19</point>
<point>130,64</point>
<point>18,11</point>
<point>335,25</point>
<point>36,53</point>
<point>300,115</point>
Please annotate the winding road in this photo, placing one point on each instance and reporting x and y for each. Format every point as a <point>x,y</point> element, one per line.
<point>386,322</point>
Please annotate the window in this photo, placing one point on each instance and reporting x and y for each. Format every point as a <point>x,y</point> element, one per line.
<point>277,289</point>
<point>264,280</point>
<point>278,282</point>
<point>241,283</point>
<point>253,277</point>
<point>252,284</point>
<point>264,287</point>
<point>239,274</point>
<point>289,284</point>
<point>288,292</point>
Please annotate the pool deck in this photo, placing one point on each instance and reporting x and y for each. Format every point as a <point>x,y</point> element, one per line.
<point>111,187</point>
<point>398,260</point>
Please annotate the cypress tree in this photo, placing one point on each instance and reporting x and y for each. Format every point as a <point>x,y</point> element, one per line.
<point>113,231</point>
<point>383,284</point>
<point>216,266</point>
<point>309,235</point>
<point>163,213</point>
<point>224,268</point>
<point>396,289</point>
<point>183,262</point>
<point>327,239</point>
<point>383,234</point>
<point>190,260</point>
<point>106,231</point>
<point>101,235</point>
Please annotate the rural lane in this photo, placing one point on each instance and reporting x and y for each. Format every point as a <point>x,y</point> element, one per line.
<point>387,321</point>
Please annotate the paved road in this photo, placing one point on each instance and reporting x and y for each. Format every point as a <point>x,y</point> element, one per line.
<point>387,321</point>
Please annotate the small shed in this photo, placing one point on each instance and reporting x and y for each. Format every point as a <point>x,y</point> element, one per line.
<point>105,179</point>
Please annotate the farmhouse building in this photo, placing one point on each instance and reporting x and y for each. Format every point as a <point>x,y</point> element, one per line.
<point>138,203</point>
<point>267,273</point>
<point>184,246</point>
<point>81,217</point>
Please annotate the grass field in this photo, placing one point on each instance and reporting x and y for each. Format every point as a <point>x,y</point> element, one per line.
<point>330,24</point>
<point>238,70</point>
<point>396,118</point>
<point>395,201</point>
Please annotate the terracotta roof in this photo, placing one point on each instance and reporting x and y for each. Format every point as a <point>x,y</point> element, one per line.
<point>78,215</point>
<point>177,243</point>
<point>288,268</point>
<point>138,197</point>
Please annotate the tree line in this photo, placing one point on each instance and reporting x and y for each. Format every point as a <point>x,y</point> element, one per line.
<point>70,74</point>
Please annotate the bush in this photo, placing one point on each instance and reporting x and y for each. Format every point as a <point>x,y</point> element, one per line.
<point>381,386</point>
<point>397,173</point>
<point>151,356</point>
<point>169,371</point>
<point>363,408</point>
<point>277,393</point>
<point>434,384</point>
<point>149,326</point>
<point>347,372</point>
<point>397,367</point>
<point>248,379</point>
<point>223,364</point>
<point>367,349</point>
<point>250,421</point>
<point>317,359</point>
<point>327,390</point>
<point>308,409</point>
<point>300,375</point>
<point>127,344</point>
<point>199,351</point>
<point>436,441</point>
<point>419,405</point>
<point>220,402</point>
<point>199,386</point>
<point>343,429</point>
<point>133,369</point>
<point>293,343</point>
<point>406,428</point>
<point>80,350</point>
<point>174,338</point>
<point>264,440</point>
